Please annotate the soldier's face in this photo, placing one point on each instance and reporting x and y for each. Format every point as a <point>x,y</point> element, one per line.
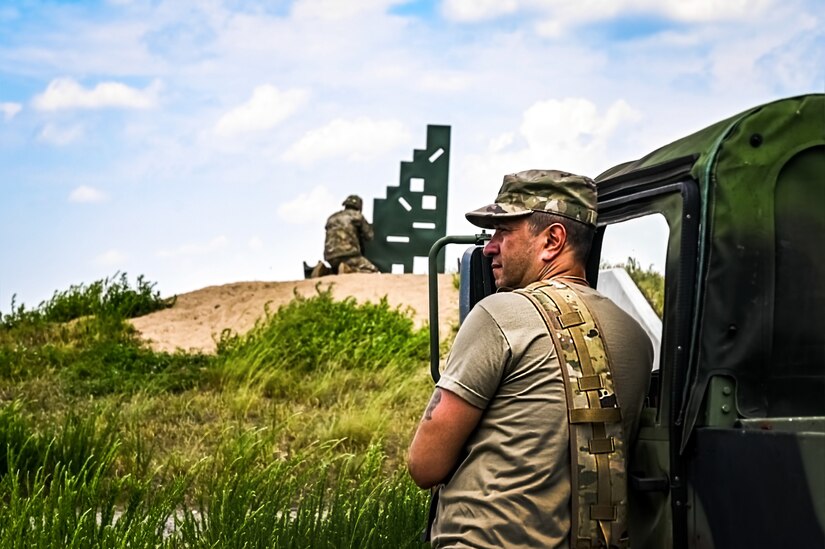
<point>516,254</point>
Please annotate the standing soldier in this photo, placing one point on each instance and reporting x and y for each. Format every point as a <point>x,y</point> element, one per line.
<point>527,428</point>
<point>347,230</point>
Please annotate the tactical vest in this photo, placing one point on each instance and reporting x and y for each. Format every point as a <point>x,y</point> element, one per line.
<point>597,455</point>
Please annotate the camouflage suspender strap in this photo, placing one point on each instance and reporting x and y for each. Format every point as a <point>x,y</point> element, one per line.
<point>597,453</point>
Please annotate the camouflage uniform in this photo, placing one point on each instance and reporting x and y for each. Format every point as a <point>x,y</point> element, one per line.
<point>345,233</point>
<point>512,488</point>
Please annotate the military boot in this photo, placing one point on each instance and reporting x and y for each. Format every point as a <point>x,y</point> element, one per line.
<point>320,270</point>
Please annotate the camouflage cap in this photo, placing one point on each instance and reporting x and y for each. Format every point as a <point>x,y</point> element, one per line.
<point>553,191</point>
<point>353,201</point>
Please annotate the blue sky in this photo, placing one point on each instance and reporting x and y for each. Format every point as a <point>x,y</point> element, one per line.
<point>202,142</point>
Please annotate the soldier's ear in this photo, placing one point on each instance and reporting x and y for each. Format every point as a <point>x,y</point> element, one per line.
<point>553,239</point>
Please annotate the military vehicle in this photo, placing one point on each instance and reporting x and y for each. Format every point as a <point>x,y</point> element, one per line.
<point>731,447</point>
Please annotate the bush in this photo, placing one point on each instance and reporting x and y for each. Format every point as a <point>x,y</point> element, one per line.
<point>112,297</point>
<point>318,332</point>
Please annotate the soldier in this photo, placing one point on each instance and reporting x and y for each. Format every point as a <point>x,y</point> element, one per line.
<point>346,232</point>
<point>496,436</point>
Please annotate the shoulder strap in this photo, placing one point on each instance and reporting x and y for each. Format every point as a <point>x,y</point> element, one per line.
<point>597,453</point>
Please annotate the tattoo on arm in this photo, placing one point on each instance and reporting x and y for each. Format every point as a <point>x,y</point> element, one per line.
<point>428,414</point>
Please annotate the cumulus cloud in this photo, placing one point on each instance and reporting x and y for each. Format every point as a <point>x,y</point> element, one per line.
<point>309,207</point>
<point>573,126</point>
<point>66,93</point>
<point>566,134</point>
<point>199,248</point>
<point>708,10</point>
<point>267,107</point>
<point>338,9</point>
<point>9,110</point>
<point>478,10</point>
<point>358,139</point>
<point>558,14</point>
<point>85,194</point>
<point>56,135</point>
<point>111,258</point>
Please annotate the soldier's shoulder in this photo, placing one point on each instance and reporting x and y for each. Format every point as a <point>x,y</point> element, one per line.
<point>506,304</point>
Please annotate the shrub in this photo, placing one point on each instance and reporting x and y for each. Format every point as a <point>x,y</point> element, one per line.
<point>318,332</point>
<point>112,297</point>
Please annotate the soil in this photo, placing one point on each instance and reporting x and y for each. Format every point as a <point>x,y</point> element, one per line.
<point>197,319</point>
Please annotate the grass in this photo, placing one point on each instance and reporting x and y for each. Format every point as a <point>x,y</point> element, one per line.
<point>292,435</point>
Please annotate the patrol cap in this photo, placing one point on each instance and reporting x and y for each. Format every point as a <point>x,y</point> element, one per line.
<point>353,201</point>
<point>553,191</point>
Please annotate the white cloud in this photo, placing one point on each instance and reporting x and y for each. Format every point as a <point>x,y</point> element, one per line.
<point>709,10</point>
<point>216,244</point>
<point>85,194</point>
<point>444,81</point>
<point>570,128</point>
<point>358,139</point>
<point>339,9</point>
<point>559,14</point>
<point>501,142</point>
<point>564,134</point>
<point>309,207</point>
<point>111,258</point>
<point>66,93</point>
<point>478,10</point>
<point>267,107</point>
<point>9,110</point>
<point>56,135</point>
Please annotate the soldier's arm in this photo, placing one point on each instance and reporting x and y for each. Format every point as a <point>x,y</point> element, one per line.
<point>366,229</point>
<point>440,438</point>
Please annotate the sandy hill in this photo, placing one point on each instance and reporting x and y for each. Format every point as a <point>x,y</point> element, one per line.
<point>198,317</point>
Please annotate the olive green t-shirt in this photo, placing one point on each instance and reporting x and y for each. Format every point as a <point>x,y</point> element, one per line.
<point>512,487</point>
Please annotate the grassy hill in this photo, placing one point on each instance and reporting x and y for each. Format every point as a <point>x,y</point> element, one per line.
<point>291,435</point>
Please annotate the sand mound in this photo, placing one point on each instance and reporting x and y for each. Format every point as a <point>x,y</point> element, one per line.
<point>198,317</point>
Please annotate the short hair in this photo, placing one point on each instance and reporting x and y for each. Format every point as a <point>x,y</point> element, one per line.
<point>579,235</point>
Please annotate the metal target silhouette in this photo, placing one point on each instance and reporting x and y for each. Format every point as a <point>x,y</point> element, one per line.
<point>414,214</point>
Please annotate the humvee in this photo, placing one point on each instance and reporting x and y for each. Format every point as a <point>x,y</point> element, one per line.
<point>731,446</point>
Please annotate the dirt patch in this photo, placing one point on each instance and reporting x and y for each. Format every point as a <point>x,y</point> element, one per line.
<point>198,317</point>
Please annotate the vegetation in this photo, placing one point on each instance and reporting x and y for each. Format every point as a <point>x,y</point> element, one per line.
<point>650,282</point>
<point>292,435</point>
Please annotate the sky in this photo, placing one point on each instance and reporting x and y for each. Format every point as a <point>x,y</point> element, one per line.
<point>203,142</point>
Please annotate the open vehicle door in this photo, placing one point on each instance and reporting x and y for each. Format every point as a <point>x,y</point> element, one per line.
<point>731,447</point>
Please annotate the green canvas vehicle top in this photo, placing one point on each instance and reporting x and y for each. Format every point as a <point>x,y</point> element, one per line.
<point>760,291</point>
<point>731,446</point>
<point>740,395</point>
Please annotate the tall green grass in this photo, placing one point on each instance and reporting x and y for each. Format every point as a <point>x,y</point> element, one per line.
<point>290,436</point>
<point>81,337</point>
<point>237,497</point>
<point>112,297</point>
<point>319,332</point>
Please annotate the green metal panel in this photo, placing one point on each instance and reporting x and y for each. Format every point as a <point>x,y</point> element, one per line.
<point>413,216</point>
<point>761,175</point>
